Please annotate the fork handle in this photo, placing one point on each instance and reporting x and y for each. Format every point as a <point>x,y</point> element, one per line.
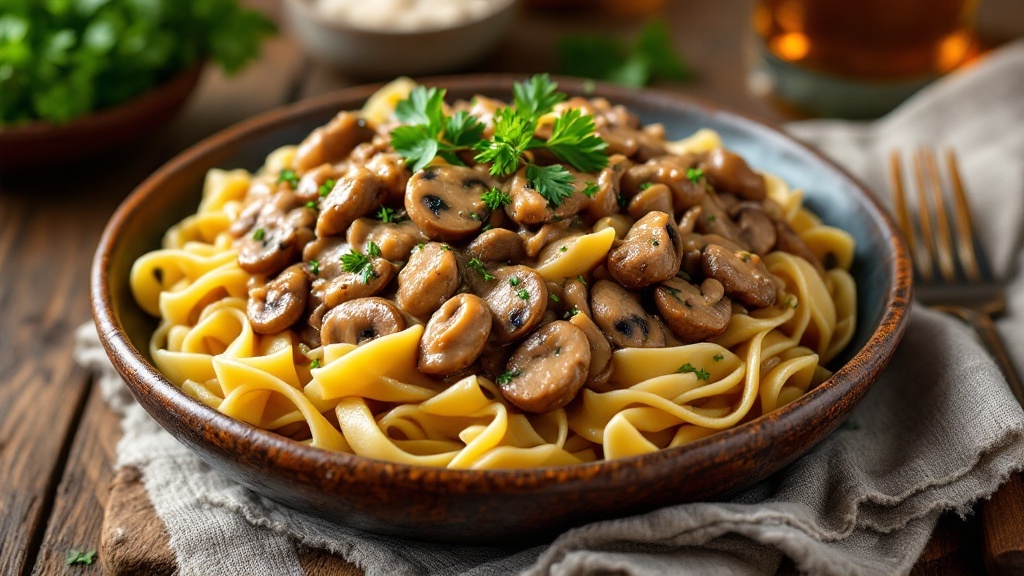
<point>1002,516</point>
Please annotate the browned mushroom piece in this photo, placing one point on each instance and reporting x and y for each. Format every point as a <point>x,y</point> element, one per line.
<point>358,193</point>
<point>548,368</point>
<point>497,245</point>
<point>605,201</point>
<point>790,241</point>
<point>651,252</point>
<point>670,171</point>
<point>455,335</point>
<point>530,207</point>
<point>575,296</point>
<point>757,229</point>
<point>693,250</point>
<point>278,304</point>
<point>689,221</point>
<point>352,285</point>
<point>693,314</point>
<point>517,298</point>
<point>653,198</point>
<point>429,279</point>
<point>391,169</point>
<point>742,274</point>
<point>622,319</point>
<point>729,172</point>
<point>395,239</point>
<point>315,181</point>
<point>600,351</point>
<point>276,238</point>
<point>445,201</point>
<point>359,321</point>
<point>535,241</point>
<point>714,219</point>
<point>332,142</point>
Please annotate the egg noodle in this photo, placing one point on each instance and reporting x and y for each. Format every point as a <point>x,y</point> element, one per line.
<point>372,400</point>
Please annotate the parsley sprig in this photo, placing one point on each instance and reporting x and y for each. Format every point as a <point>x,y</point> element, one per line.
<point>427,133</point>
<point>361,264</point>
<point>83,557</point>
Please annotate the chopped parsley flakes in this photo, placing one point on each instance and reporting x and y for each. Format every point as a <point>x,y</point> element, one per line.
<point>689,369</point>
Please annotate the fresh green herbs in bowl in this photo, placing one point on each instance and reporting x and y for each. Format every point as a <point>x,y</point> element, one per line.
<point>63,59</point>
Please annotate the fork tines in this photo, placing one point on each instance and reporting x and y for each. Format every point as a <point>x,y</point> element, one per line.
<point>931,244</point>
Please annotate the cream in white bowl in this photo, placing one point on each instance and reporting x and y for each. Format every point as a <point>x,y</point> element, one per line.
<point>386,38</point>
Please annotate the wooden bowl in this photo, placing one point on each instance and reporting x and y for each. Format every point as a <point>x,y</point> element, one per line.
<point>44,143</point>
<point>489,506</point>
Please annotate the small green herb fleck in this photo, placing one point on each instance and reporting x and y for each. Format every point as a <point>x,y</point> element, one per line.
<point>314,267</point>
<point>373,250</point>
<point>689,369</point>
<point>387,215</point>
<point>655,242</point>
<point>554,298</point>
<point>563,249</point>
<point>486,228</point>
<point>571,312</point>
<point>558,350</point>
<point>326,187</point>
<point>622,201</point>
<point>259,234</point>
<point>359,264</point>
<point>523,294</point>
<point>288,175</point>
<point>314,364</point>
<point>591,190</point>
<point>694,174</point>
<point>477,265</point>
<point>718,357</point>
<point>445,247</point>
<point>513,281</point>
<point>711,218</point>
<point>496,199</point>
<point>506,377</point>
<point>645,185</point>
<point>791,302</point>
<point>82,557</point>
<point>582,281</point>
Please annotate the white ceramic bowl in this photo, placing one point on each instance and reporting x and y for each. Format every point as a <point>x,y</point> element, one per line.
<point>381,54</point>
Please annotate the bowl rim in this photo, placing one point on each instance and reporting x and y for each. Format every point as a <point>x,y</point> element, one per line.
<point>338,25</point>
<point>305,462</point>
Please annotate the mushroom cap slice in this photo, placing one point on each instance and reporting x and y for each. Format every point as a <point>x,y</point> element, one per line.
<point>622,319</point>
<point>742,274</point>
<point>278,304</point>
<point>548,368</point>
<point>446,201</point>
<point>693,314</point>
<point>497,245</point>
<point>358,193</point>
<point>517,298</point>
<point>757,229</point>
<point>359,321</point>
<point>651,252</point>
<point>455,335</point>
<point>348,286</point>
<point>729,172</point>
<point>429,279</point>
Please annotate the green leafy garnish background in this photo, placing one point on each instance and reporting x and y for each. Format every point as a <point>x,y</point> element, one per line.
<point>651,58</point>
<point>60,59</point>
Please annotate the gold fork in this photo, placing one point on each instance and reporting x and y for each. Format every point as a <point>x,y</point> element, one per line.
<point>954,276</point>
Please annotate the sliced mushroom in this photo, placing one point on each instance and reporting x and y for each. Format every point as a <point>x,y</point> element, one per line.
<point>497,245</point>
<point>352,285</point>
<point>742,274</point>
<point>790,241</point>
<point>729,172</point>
<point>605,201</point>
<point>362,320</point>
<point>517,298</point>
<point>574,295</point>
<point>276,238</point>
<point>311,183</point>
<point>548,368</point>
<point>654,198</point>
<point>278,304</point>
<point>757,229</point>
<point>358,193</point>
<point>395,239</point>
<point>455,335</point>
<point>445,201</point>
<point>714,219</point>
<point>429,279</point>
<point>391,169</point>
<point>600,351</point>
<point>670,171</point>
<point>651,252</point>
<point>693,314</point>
<point>624,322</point>
<point>530,207</point>
<point>332,142</point>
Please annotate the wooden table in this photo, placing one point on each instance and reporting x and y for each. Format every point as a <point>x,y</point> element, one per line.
<point>58,437</point>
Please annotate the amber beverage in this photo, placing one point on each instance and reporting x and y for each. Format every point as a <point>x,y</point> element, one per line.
<point>857,58</point>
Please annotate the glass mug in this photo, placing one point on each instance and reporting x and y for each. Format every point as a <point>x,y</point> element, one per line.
<point>856,59</point>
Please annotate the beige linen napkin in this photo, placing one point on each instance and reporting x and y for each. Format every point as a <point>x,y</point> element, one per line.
<point>938,431</point>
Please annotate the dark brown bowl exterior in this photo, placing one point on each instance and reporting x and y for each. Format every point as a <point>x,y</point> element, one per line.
<point>42,143</point>
<point>488,506</point>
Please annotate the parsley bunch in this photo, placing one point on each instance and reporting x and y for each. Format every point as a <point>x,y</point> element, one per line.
<point>427,133</point>
<point>652,57</point>
<point>60,59</point>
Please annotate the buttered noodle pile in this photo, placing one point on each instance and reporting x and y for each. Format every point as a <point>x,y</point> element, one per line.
<point>411,283</point>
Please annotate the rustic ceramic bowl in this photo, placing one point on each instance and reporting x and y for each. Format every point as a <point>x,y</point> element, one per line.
<point>477,506</point>
<point>378,54</point>
<point>43,143</point>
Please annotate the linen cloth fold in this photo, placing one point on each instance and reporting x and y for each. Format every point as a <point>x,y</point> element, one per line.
<point>938,431</point>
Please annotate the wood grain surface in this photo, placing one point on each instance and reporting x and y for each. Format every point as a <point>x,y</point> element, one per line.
<point>57,437</point>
